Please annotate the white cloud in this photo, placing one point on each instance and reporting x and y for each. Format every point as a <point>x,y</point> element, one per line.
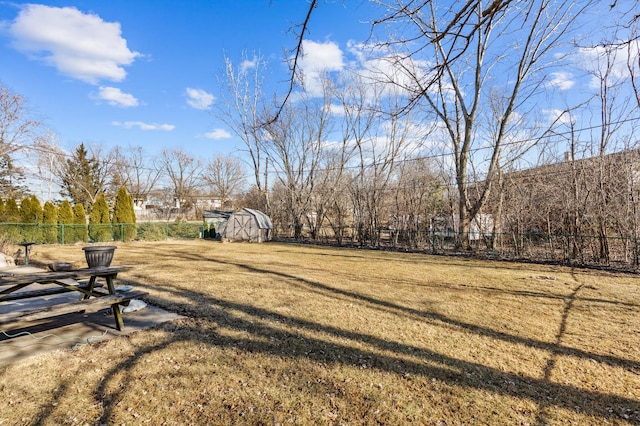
<point>79,45</point>
<point>558,116</point>
<point>336,110</point>
<point>116,97</point>
<point>199,99</point>
<point>144,126</point>
<point>249,64</point>
<point>321,56</point>
<point>218,134</point>
<point>562,80</point>
<point>612,62</point>
<point>317,59</point>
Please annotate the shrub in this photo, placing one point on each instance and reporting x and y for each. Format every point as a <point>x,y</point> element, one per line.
<point>49,223</point>
<point>80,223</point>
<point>11,211</point>
<point>124,217</point>
<point>184,230</point>
<point>148,231</point>
<point>65,220</point>
<point>99,221</point>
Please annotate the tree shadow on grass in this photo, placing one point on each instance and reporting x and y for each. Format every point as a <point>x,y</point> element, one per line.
<point>470,327</point>
<point>398,358</point>
<point>401,359</point>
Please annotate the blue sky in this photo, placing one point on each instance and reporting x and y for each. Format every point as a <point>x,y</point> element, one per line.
<point>131,73</point>
<point>145,73</point>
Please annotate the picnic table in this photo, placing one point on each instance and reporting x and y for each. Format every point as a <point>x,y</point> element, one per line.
<point>84,281</point>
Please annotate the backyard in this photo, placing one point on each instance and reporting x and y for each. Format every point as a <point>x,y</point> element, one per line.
<point>294,334</point>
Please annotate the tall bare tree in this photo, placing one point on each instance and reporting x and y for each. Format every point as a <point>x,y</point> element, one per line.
<point>18,129</point>
<point>18,132</point>
<point>49,159</point>
<point>418,199</point>
<point>242,108</point>
<point>295,146</point>
<point>184,174</point>
<point>613,101</point>
<point>226,177</point>
<point>448,59</point>
<point>136,172</point>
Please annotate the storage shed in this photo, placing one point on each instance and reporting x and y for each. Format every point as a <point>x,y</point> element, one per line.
<point>244,225</point>
<point>213,221</point>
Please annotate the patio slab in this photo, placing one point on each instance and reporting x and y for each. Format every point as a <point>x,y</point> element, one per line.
<point>66,331</point>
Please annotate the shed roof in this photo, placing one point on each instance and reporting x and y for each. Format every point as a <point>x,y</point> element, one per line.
<point>264,222</point>
<point>217,214</point>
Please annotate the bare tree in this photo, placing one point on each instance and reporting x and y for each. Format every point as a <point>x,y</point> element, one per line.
<point>447,60</point>
<point>613,104</point>
<point>105,163</point>
<point>49,158</point>
<point>17,128</point>
<point>184,174</point>
<point>226,177</point>
<point>136,172</point>
<point>242,109</point>
<point>418,199</point>
<point>383,139</point>
<point>295,146</point>
<point>18,132</point>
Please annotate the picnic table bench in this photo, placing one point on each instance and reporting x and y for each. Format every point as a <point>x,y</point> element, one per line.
<point>94,296</point>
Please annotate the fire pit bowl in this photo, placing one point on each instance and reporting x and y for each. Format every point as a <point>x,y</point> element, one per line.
<point>98,256</point>
<point>60,266</point>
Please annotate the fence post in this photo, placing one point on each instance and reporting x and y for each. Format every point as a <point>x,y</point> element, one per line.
<point>433,241</point>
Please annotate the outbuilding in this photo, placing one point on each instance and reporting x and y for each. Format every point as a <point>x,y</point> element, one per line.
<point>241,225</point>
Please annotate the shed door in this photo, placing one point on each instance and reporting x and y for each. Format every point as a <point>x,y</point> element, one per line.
<point>242,227</point>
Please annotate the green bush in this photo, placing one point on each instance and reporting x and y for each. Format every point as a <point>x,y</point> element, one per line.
<point>99,221</point>
<point>184,230</point>
<point>11,212</point>
<point>10,232</point>
<point>65,220</point>
<point>49,223</point>
<point>148,231</point>
<point>124,217</point>
<point>80,223</point>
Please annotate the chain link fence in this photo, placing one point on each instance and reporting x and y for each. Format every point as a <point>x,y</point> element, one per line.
<point>615,252</point>
<point>38,233</point>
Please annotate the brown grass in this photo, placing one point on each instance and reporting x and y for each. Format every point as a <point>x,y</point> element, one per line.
<point>290,334</point>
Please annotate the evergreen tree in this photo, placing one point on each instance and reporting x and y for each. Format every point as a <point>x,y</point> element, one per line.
<point>11,178</point>
<point>30,210</point>
<point>11,211</point>
<point>49,223</point>
<point>124,217</point>
<point>31,216</point>
<point>65,220</point>
<point>81,178</point>
<point>80,223</point>
<point>99,220</point>
<point>26,215</point>
<point>11,215</point>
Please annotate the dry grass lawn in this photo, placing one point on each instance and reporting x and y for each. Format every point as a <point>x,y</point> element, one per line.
<point>293,334</point>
